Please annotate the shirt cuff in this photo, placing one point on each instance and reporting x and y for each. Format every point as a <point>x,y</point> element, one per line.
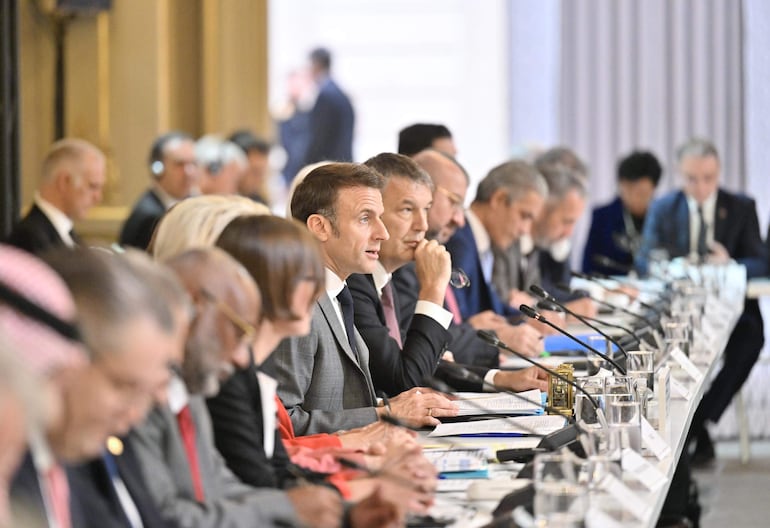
<point>435,312</point>
<point>489,380</point>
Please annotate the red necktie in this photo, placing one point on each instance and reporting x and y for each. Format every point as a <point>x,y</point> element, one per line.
<point>451,302</point>
<point>187,431</point>
<point>390,313</point>
<point>59,495</point>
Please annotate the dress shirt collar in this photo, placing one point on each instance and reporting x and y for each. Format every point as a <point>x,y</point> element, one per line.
<point>709,208</point>
<point>165,198</point>
<point>483,242</point>
<point>381,277</point>
<point>334,284</point>
<point>178,397</point>
<point>61,222</point>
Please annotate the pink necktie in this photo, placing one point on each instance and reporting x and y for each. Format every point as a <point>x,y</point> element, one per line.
<point>59,494</point>
<point>451,302</point>
<point>187,432</point>
<point>390,313</point>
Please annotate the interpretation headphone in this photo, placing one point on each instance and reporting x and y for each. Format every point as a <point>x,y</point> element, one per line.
<point>39,314</point>
<point>156,152</point>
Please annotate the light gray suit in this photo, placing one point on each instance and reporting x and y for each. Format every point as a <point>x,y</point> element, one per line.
<point>320,380</point>
<point>228,502</point>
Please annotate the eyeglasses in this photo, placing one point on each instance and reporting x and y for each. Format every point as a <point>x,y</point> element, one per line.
<point>455,200</point>
<point>249,330</point>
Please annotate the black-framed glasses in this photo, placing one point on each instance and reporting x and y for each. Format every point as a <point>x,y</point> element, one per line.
<point>455,200</point>
<point>459,279</point>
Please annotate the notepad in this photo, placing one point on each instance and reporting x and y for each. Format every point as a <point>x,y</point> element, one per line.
<point>479,403</point>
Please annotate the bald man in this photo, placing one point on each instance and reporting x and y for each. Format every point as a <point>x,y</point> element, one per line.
<point>71,182</point>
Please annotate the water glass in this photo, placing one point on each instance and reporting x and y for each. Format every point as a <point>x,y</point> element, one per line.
<point>585,413</point>
<point>561,496</point>
<point>640,364</point>
<point>595,362</point>
<point>625,416</point>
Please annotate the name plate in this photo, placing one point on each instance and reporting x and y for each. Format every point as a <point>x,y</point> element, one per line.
<point>663,395</point>
<point>642,470</point>
<point>680,391</point>
<point>686,364</point>
<point>652,440</point>
<point>629,500</point>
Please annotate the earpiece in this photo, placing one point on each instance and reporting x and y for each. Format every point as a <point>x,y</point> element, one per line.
<point>157,168</point>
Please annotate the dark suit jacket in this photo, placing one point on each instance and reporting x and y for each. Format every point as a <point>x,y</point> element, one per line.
<point>331,126</point>
<point>27,498</point>
<point>466,347</point>
<point>140,224</point>
<point>35,233</point>
<point>607,224</point>
<point>236,414</point>
<point>322,383</point>
<point>735,227</point>
<point>93,489</point>
<point>480,295</point>
<point>395,369</point>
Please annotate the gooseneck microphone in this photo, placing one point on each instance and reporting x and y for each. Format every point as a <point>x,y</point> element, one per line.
<point>565,288</point>
<point>534,314</point>
<point>493,340</point>
<point>607,262</point>
<point>595,279</point>
<point>540,292</point>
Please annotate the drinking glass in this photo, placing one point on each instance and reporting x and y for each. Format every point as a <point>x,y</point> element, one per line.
<point>625,416</point>
<point>561,496</point>
<point>585,413</point>
<point>640,364</point>
<point>593,361</point>
<point>459,279</point>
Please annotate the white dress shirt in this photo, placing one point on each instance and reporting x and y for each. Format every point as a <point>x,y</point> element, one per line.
<point>483,244</point>
<point>432,310</point>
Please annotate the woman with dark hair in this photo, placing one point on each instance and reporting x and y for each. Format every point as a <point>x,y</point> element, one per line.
<point>286,263</point>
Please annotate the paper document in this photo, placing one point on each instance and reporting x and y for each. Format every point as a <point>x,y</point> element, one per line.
<point>520,425</point>
<point>479,403</point>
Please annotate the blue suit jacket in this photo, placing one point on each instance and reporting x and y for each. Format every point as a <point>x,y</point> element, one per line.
<point>736,227</point>
<point>480,295</point>
<point>606,224</point>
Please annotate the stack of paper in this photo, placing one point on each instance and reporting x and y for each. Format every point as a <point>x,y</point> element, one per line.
<point>504,427</point>
<point>479,403</point>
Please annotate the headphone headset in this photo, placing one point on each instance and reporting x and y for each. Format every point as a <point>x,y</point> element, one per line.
<point>157,167</point>
<point>39,314</point>
<point>215,166</point>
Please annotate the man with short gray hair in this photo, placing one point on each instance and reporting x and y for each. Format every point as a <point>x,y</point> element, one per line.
<point>706,222</point>
<point>222,164</point>
<point>507,201</point>
<point>72,178</point>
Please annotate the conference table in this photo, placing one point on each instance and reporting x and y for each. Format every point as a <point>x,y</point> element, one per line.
<point>455,501</point>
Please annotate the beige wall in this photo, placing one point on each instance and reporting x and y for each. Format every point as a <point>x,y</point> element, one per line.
<point>142,68</point>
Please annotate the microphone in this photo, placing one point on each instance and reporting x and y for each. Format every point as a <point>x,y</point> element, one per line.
<point>540,292</point>
<point>493,340</point>
<point>566,436</point>
<point>442,386</point>
<point>607,262</point>
<point>629,331</point>
<point>594,278</point>
<point>534,314</point>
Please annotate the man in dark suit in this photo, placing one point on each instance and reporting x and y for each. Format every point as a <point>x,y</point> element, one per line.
<point>175,176</point>
<point>332,118</point>
<point>616,228</point>
<point>71,183</point>
<point>324,378</point>
<point>707,222</point>
<point>399,362</point>
<point>507,201</point>
<point>402,356</point>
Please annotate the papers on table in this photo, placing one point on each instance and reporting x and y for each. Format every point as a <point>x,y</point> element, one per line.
<point>479,403</point>
<point>520,425</point>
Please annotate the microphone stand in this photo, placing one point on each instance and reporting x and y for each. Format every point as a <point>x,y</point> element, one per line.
<point>534,314</point>
<point>540,292</point>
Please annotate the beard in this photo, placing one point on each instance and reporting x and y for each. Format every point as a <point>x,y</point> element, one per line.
<point>202,370</point>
